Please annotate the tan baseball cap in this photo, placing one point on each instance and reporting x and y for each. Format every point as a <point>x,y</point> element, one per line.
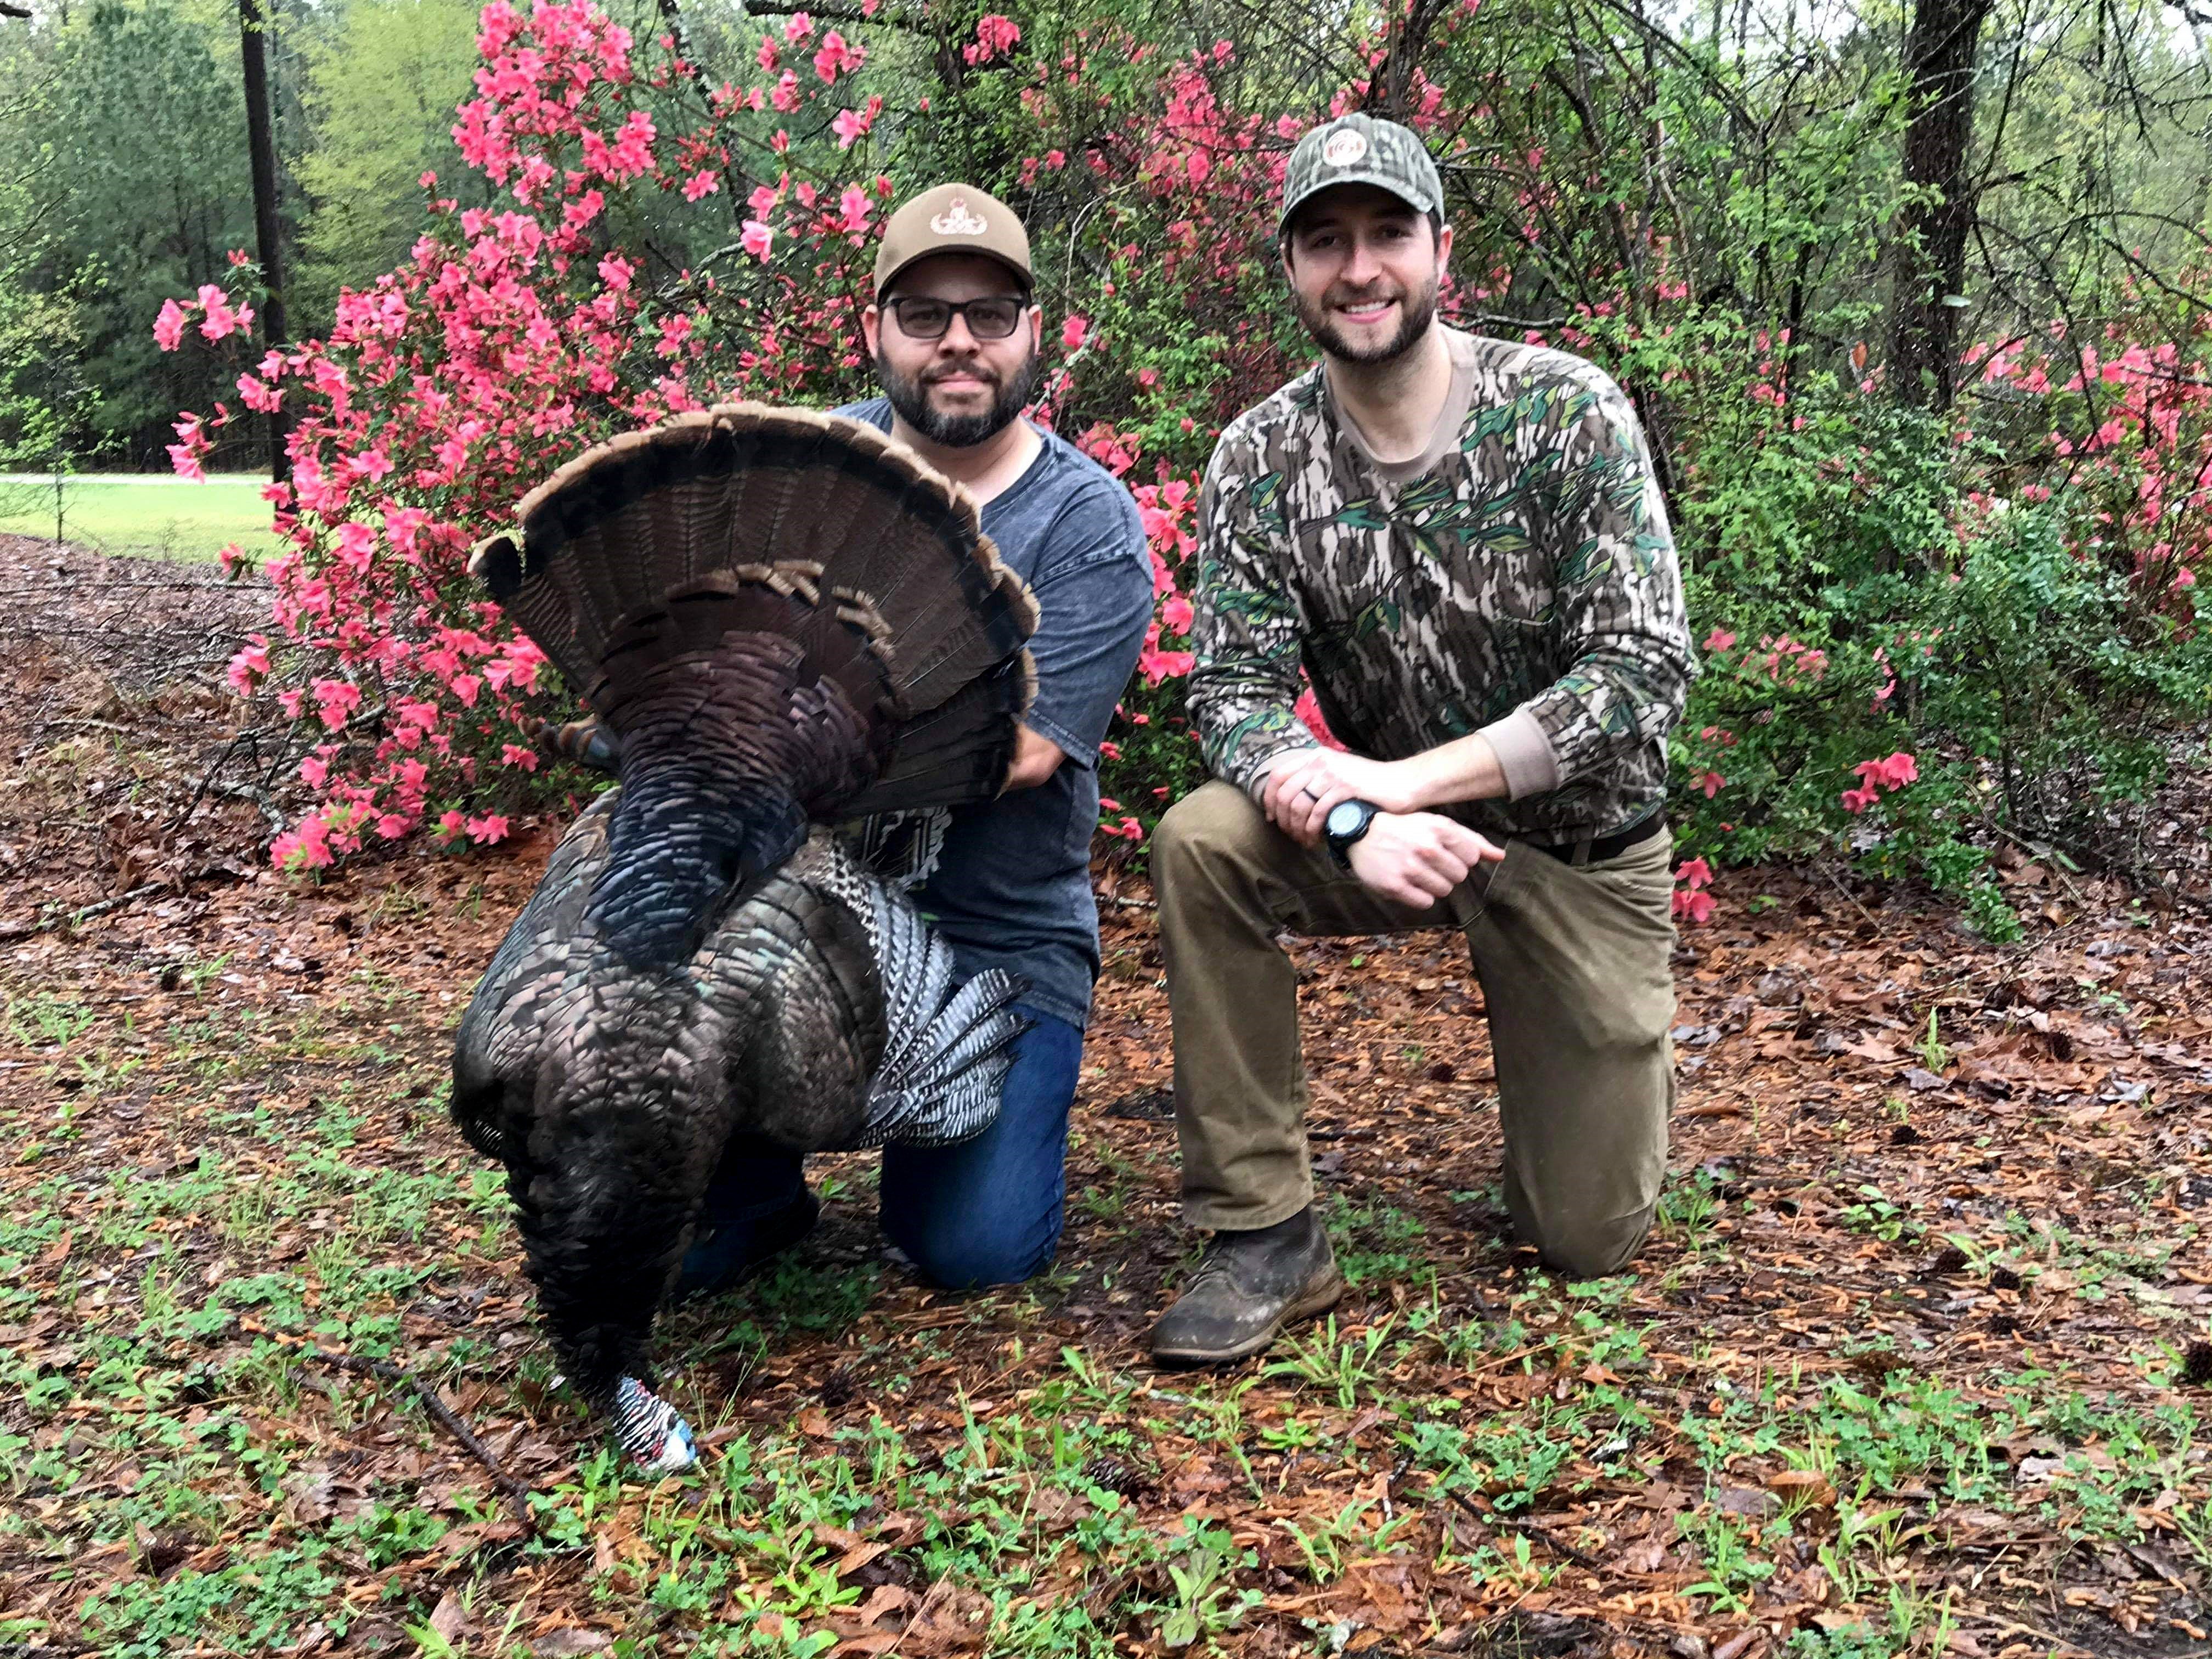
<point>953,219</point>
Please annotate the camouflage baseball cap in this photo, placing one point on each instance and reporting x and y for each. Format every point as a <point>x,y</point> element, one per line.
<point>953,219</point>
<point>1359,149</point>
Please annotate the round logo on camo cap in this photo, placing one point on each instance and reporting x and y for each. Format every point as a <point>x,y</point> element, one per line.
<point>1345,146</point>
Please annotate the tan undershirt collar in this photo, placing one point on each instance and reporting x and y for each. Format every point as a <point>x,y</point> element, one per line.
<point>1443,437</point>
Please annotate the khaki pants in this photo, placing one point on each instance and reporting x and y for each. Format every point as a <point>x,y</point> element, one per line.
<point>1573,965</point>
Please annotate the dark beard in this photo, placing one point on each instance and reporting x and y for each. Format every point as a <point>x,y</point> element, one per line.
<point>910,397</point>
<point>1417,310</point>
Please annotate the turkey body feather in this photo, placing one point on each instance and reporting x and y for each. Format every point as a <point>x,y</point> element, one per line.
<point>782,621</point>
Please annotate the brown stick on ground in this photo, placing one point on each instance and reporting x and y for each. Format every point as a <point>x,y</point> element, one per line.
<point>515,1491</point>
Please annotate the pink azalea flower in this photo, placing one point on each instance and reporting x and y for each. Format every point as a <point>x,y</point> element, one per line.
<point>1694,907</point>
<point>249,665</point>
<point>996,35</point>
<point>334,702</point>
<point>836,57</point>
<point>1308,709</point>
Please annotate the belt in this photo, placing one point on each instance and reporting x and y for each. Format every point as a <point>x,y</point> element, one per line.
<point>1595,850</point>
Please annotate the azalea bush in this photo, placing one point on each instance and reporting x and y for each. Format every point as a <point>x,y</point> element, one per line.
<point>515,338</point>
<point>510,340</point>
<point>1957,647</point>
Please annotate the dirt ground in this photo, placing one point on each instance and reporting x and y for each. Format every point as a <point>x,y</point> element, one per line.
<point>1916,1359</point>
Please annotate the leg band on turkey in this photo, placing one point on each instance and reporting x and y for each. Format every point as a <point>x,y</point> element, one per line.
<point>783,622</point>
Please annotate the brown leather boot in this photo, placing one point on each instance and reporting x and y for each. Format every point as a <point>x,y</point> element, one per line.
<point>1249,1285</point>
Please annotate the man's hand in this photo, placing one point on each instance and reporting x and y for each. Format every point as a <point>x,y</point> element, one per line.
<point>585,741</point>
<point>1299,791</point>
<point>1416,858</point>
<point>1036,757</point>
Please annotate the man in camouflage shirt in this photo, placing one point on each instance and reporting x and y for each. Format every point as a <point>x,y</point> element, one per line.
<point>1462,542</point>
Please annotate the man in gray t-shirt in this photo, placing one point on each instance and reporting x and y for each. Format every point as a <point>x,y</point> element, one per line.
<point>955,334</point>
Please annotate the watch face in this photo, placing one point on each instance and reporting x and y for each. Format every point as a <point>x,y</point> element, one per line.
<point>1346,817</point>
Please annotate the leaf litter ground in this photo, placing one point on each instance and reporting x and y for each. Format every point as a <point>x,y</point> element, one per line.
<point>1915,1360</point>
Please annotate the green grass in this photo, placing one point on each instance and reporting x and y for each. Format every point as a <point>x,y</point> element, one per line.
<point>143,513</point>
<point>205,1180</point>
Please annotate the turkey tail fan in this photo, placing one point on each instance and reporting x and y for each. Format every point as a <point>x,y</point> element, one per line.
<point>936,759</point>
<point>741,520</point>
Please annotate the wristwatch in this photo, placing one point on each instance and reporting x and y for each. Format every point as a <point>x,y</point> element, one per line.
<point>1347,821</point>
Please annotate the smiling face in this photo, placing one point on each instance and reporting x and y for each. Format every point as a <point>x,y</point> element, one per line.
<point>1364,268</point>
<point>955,390</point>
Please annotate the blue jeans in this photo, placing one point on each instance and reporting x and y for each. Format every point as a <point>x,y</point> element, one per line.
<point>986,1211</point>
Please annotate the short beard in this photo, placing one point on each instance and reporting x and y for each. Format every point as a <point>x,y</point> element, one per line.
<point>910,397</point>
<point>1418,311</point>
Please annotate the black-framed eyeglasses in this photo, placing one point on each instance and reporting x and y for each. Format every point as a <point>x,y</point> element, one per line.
<point>993,317</point>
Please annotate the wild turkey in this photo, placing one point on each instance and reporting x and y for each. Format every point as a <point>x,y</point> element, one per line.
<point>782,621</point>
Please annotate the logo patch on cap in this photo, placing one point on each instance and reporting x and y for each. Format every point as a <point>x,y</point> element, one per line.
<point>956,220</point>
<point>1342,148</point>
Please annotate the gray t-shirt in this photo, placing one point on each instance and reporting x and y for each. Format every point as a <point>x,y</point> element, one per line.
<point>1012,888</point>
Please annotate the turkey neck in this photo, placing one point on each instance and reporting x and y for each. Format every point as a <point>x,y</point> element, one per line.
<point>713,765</point>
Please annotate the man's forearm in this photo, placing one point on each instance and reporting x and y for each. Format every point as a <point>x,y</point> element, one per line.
<point>1465,768</point>
<point>1298,786</point>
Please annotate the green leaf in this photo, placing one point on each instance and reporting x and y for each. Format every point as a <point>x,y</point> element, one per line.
<point>1366,513</point>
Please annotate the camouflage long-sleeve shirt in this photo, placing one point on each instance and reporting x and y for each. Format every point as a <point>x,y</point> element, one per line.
<point>1517,579</point>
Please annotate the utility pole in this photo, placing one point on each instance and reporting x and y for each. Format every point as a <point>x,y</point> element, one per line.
<point>261,146</point>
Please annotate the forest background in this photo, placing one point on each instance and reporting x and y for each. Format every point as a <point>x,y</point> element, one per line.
<point>1910,298</point>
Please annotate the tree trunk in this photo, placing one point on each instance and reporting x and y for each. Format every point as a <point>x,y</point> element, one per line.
<point>268,232</point>
<point>1931,257</point>
<point>1390,83</point>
